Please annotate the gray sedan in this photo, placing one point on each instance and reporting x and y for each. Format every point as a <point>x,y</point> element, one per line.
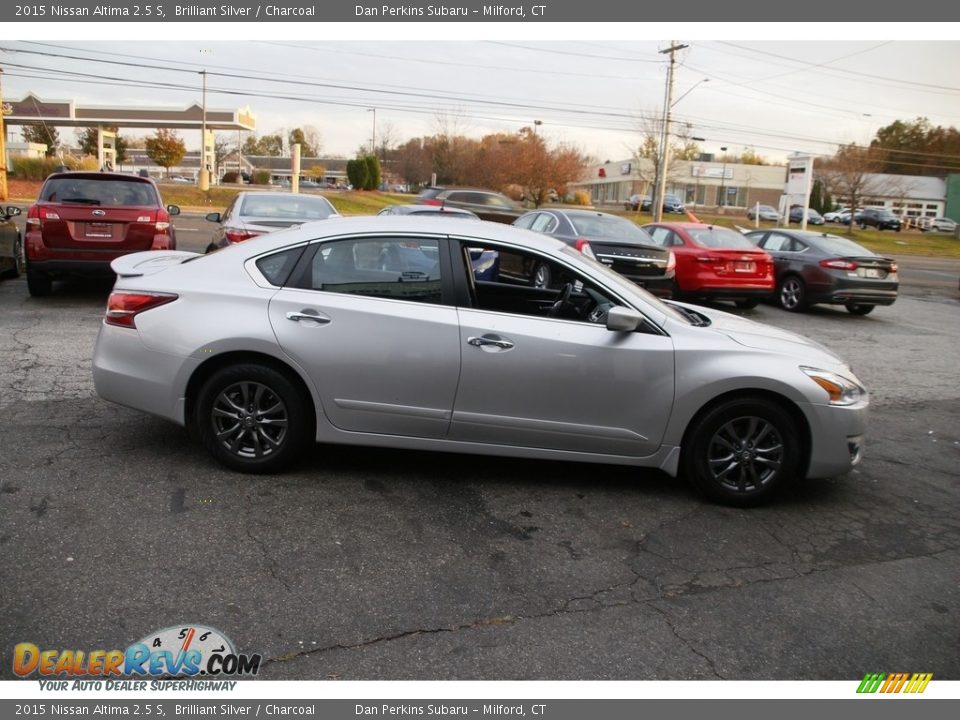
<point>303,336</point>
<point>820,268</point>
<point>256,213</point>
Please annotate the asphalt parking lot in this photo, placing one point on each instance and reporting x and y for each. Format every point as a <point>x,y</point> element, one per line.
<point>375,564</point>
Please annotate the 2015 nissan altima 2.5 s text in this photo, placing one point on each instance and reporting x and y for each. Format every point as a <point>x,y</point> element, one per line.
<point>384,331</point>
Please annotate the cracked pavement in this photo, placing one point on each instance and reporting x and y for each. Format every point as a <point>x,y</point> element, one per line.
<point>375,564</point>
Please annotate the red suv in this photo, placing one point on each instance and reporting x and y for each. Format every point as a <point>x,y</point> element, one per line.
<point>84,220</point>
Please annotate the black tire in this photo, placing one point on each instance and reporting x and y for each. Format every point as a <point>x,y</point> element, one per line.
<point>858,309</point>
<point>746,303</point>
<point>742,451</point>
<point>792,294</point>
<point>17,267</point>
<point>210,248</point>
<point>676,293</point>
<point>541,276</point>
<point>253,441</point>
<point>38,284</point>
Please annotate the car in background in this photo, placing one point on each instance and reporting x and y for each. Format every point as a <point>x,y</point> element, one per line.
<point>820,268</point>
<point>638,202</point>
<point>766,212</point>
<point>940,224</point>
<point>813,217</point>
<point>715,263</point>
<point>485,204</point>
<point>11,244</point>
<point>671,203</point>
<point>428,211</point>
<point>182,180</point>
<point>880,218</point>
<point>614,241</point>
<point>840,215</point>
<point>82,221</point>
<point>307,339</point>
<point>310,185</point>
<point>257,213</point>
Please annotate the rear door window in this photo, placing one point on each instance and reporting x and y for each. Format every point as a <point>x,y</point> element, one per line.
<point>106,192</point>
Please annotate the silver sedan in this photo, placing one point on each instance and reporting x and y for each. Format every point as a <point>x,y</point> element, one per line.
<point>381,331</point>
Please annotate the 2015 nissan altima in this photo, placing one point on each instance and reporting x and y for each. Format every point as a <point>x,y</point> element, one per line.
<point>326,333</point>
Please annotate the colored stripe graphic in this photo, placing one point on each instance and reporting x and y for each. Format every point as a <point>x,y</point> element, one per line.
<point>870,682</point>
<point>894,683</point>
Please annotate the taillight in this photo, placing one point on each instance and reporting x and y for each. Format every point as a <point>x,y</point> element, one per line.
<point>582,245</point>
<point>671,262</point>
<point>123,307</point>
<point>893,268</point>
<point>839,264</point>
<point>162,240</point>
<point>33,218</point>
<point>236,236</point>
<point>431,201</point>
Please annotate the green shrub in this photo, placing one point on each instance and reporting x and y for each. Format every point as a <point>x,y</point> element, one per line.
<point>373,172</point>
<point>24,168</point>
<point>260,177</point>
<point>357,173</point>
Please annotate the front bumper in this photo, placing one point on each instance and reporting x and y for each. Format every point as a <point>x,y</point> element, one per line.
<point>836,438</point>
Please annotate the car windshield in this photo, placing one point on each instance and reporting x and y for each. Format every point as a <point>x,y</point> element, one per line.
<point>841,246</point>
<point>720,237</point>
<point>104,192</point>
<point>609,227</point>
<point>307,207</point>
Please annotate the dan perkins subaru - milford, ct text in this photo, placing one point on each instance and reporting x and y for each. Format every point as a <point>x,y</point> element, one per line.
<point>447,11</point>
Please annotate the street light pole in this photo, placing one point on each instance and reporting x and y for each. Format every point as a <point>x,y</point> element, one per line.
<point>723,180</point>
<point>204,178</point>
<point>373,141</point>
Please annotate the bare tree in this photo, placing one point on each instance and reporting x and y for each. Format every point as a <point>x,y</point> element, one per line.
<point>850,175</point>
<point>646,155</point>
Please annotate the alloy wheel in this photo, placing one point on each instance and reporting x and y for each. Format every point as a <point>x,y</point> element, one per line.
<point>745,454</point>
<point>249,420</point>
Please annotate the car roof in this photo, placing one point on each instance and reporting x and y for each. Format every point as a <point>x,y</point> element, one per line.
<point>97,175</point>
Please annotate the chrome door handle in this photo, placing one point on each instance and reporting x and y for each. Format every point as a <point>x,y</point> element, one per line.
<point>298,316</point>
<point>495,342</point>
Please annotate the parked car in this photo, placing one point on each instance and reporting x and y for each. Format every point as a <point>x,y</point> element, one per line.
<point>671,203</point>
<point>880,218</point>
<point>256,213</point>
<point>940,224</point>
<point>638,202</point>
<point>310,185</point>
<point>715,262</point>
<point>813,217</point>
<point>300,336</point>
<point>84,220</point>
<point>485,204</point>
<point>11,244</point>
<point>820,268</point>
<point>182,180</point>
<point>840,214</point>
<point>766,212</point>
<point>617,243</point>
<point>428,211</point>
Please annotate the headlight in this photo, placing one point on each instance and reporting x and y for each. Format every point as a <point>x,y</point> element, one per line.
<point>842,391</point>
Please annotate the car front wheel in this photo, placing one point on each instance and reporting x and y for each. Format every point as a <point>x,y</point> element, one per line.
<point>742,451</point>
<point>252,418</point>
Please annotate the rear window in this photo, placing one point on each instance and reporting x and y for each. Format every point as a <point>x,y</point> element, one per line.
<point>608,227</point>
<point>105,192</point>
<point>297,207</point>
<point>841,246</point>
<point>276,268</point>
<point>720,237</point>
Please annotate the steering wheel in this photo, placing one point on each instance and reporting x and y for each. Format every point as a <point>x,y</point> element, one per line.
<point>562,300</point>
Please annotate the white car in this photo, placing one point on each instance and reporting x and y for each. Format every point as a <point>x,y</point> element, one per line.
<point>940,224</point>
<point>379,331</point>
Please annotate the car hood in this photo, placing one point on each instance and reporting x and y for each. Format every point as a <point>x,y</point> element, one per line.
<point>766,337</point>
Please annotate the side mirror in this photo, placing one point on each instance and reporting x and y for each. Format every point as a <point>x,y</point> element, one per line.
<point>12,211</point>
<point>622,319</point>
<point>173,209</point>
<point>213,217</point>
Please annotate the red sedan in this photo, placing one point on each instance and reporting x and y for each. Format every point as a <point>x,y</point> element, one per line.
<point>715,262</point>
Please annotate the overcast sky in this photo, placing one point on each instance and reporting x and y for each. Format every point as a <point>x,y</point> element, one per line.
<point>777,96</point>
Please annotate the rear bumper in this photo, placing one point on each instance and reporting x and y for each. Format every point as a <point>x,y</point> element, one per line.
<point>79,268</point>
<point>659,285</point>
<point>735,292</point>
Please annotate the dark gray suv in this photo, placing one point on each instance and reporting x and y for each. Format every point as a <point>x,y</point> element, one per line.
<point>880,218</point>
<point>485,204</point>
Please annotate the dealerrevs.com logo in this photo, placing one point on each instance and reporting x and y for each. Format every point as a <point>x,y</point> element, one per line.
<point>182,651</point>
<point>888,683</point>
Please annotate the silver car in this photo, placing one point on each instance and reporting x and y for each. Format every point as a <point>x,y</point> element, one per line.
<point>311,335</point>
<point>255,213</point>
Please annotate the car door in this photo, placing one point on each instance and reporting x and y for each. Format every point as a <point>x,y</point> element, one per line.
<point>785,251</point>
<point>366,317</point>
<point>559,383</point>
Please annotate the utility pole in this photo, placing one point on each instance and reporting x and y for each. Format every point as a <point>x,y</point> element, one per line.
<point>204,177</point>
<point>665,138</point>
<point>373,138</point>
<point>3,147</point>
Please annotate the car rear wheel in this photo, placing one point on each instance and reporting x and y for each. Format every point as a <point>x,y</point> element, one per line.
<point>742,451</point>
<point>792,294</point>
<point>252,418</point>
<point>38,284</point>
<point>857,309</point>
<point>541,276</point>
<point>17,267</point>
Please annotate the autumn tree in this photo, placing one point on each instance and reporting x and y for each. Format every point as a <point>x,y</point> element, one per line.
<point>166,148</point>
<point>413,161</point>
<point>269,145</point>
<point>42,134</point>
<point>88,140</point>
<point>297,135</point>
<point>749,156</point>
<point>538,169</point>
